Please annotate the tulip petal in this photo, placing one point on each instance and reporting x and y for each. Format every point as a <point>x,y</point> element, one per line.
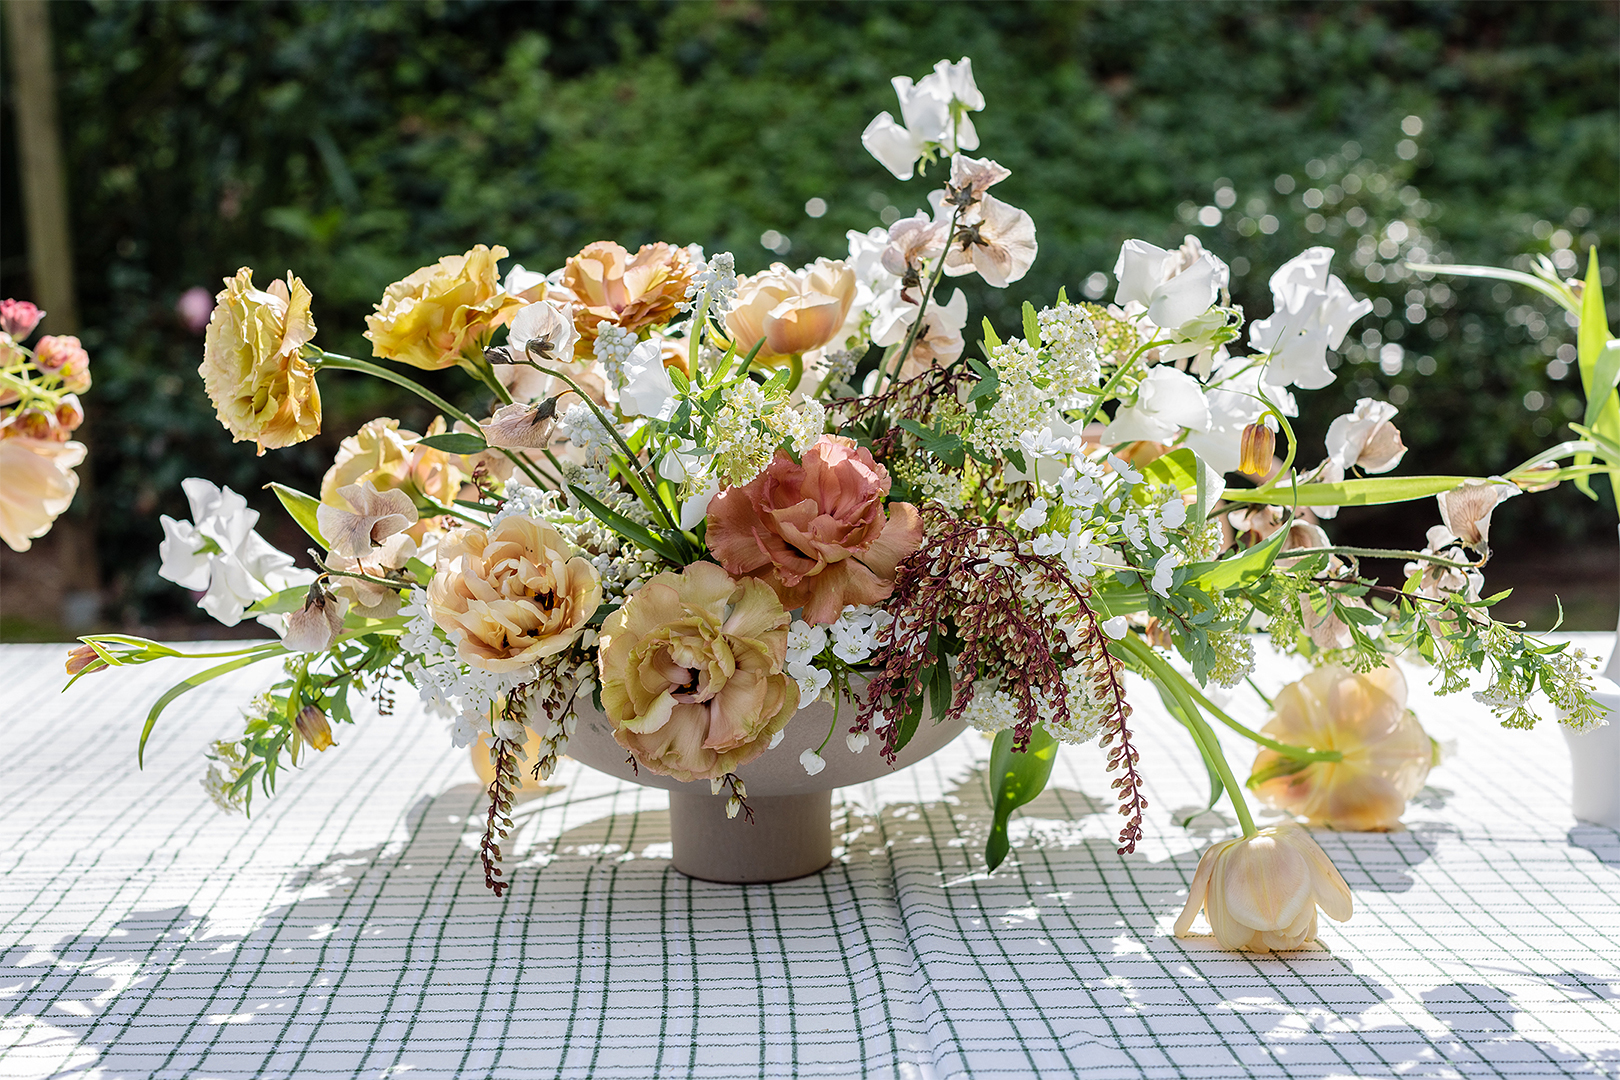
<point>1267,883</point>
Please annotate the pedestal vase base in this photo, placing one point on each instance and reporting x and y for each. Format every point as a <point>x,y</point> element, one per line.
<point>791,837</point>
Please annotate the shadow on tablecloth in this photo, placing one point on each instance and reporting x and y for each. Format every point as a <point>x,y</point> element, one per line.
<point>901,960</point>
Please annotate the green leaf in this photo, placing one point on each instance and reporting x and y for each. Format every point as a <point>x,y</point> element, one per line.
<point>456,442</point>
<point>1605,376</point>
<point>1368,492</point>
<point>909,721</point>
<point>946,446</point>
<point>1014,780</point>
<point>281,603</point>
<point>302,509</point>
<point>630,530</point>
<point>1032,326</point>
<point>192,683</point>
<point>1239,570</point>
<point>1558,293</point>
<point>1178,468</point>
<point>989,382</point>
<point>991,338</point>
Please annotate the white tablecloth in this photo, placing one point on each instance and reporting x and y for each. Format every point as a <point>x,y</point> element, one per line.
<point>344,930</point>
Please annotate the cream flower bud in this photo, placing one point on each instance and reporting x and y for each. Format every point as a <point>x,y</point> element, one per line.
<point>313,627</point>
<point>1261,892</point>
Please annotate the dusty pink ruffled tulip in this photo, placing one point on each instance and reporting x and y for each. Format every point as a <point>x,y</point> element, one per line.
<point>1387,754</point>
<point>611,285</point>
<point>37,483</point>
<point>816,532</point>
<point>692,672</point>
<point>1261,892</point>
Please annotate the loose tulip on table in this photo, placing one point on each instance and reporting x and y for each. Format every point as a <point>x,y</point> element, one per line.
<point>704,503</point>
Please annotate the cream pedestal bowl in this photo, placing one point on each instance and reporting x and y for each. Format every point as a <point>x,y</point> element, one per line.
<point>791,835</point>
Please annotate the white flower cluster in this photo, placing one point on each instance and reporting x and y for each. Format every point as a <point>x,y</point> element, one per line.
<point>993,709</point>
<point>1093,525</point>
<point>714,285</point>
<point>857,633</point>
<point>613,347</point>
<point>1070,342</point>
<point>596,483</point>
<point>448,687</point>
<point>581,426</point>
<point>750,426</point>
<point>1023,404</point>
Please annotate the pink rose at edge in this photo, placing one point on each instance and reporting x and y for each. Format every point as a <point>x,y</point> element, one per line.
<point>816,532</point>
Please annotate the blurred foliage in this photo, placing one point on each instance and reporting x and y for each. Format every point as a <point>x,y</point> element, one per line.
<point>353,142</point>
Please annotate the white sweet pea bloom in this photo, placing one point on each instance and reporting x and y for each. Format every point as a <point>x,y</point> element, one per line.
<point>1234,403</point>
<point>1313,312</point>
<point>696,507</point>
<point>998,244</point>
<point>1114,628</point>
<point>1171,294</point>
<point>647,389</point>
<point>524,284</point>
<point>219,552</point>
<point>926,118</point>
<point>543,332</point>
<point>1365,437</point>
<point>1166,401</point>
<point>812,761</point>
<point>683,462</point>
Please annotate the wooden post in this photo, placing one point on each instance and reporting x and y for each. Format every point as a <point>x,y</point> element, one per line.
<point>39,146</point>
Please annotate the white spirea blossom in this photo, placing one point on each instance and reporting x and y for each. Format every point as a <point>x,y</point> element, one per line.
<point>448,687</point>
<point>715,284</point>
<point>581,426</point>
<point>612,348</point>
<point>750,426</point>
<point>1070,339</point>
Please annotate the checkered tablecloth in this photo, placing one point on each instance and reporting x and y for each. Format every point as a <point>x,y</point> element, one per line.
<point>345,931</point>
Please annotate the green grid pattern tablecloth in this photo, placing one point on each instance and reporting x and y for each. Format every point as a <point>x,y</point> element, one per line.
<point>345,930</point>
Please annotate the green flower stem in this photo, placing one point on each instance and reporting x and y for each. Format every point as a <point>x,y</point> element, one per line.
<point>922,309</point>
<point>612,429</point>
<point>348,363</point>
<point>1296,753</point>
<point>1114,381</point>
<point>1379,553</point>
<point>1167,677</point>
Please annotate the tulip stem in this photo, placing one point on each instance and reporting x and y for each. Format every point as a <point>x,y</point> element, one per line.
<point>922,309</point>
<point>1113,381</point>
<point>349,363</point>
<point>1297,753</point>
<point>613,430</point>
<point>1379,553</point>
<point>1182,691</point>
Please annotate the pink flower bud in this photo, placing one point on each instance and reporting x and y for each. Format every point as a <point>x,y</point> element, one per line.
<point>18,317</point>
<point>65,356</point>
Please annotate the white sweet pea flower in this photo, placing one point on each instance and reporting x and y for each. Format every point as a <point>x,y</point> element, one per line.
<point>543,332</point>
<point>683,462</point>
<point>219,552</point>
<point>1171,294</point>
<point>524,284</point>
<point>998,244</point>
<point>1166,401</point>
<point>1313,312</point>
<point>1033,517</point>
<point>926,118</point>
<point>1234,403</point>
<point>695,508</point>
<point>1115,628</point>
<point>812,761</point>
<point>647,389</point>
<point>1365,437</point>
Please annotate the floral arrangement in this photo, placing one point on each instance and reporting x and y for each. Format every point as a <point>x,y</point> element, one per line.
<point>699,501</point>
<point>39,412</point>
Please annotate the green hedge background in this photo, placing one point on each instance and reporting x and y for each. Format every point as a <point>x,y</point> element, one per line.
<point>353,142</point>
